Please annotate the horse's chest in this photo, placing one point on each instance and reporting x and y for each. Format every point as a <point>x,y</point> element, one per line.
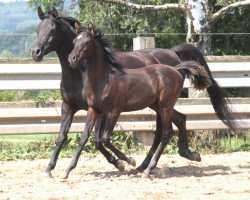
<point>102,97</point>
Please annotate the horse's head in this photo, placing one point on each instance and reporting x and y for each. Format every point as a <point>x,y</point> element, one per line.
<point>83,45</point>
<point>50,33</point>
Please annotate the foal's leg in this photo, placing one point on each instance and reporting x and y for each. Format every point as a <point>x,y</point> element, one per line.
<point>156,142</point>
<point>66,120</point>
<point>111,120</point>
<point>90,121</point>
<point>179,120</point>
<point>99,129</point>
<point>166,130</point>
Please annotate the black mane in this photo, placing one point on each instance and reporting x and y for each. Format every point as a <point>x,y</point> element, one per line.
<point>64,19</point>
<point>109,53</point>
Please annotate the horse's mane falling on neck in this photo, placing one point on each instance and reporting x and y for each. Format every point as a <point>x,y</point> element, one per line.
<point>108,52</point>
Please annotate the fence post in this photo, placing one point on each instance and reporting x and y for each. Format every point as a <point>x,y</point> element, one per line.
<point>146,137</point>
<point>143,43</point>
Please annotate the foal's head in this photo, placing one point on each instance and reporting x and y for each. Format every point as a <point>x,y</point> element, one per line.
<point>87,44</point>
<point>49,32</point>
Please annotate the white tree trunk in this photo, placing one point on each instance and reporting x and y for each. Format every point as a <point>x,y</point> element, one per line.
<point>198,24</point>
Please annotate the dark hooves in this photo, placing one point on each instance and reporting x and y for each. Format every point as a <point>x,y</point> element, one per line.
<point>194,156</point>
<point>120,166</point>
<point>132,161</point>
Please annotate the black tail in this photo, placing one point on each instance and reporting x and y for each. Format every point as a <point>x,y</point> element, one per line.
<point>198,76</point>
<point>188,52</point>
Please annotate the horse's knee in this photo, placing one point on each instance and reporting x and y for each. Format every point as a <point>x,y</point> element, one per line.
<point>106,141</point>
<point>98,143</point>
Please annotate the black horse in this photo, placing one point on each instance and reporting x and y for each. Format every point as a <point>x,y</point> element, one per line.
<point>56,33</point>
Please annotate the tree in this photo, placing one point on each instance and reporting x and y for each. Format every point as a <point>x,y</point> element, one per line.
<point>200,15</point>
<point>123,23</point>
<point>47,4</point>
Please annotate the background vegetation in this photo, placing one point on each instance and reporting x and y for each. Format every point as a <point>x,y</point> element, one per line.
<point>19,20</point>
<point>230,36</point>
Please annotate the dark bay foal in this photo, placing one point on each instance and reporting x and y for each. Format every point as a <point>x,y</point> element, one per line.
<point>111,89</point>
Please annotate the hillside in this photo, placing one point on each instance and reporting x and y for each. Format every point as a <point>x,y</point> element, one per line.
<point>16,16</point>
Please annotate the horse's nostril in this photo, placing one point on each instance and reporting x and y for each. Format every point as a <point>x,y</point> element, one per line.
<point>38,52</point>
<point>74,58</point>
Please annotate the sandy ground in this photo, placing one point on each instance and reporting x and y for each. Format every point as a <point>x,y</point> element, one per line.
<point>225,176</point>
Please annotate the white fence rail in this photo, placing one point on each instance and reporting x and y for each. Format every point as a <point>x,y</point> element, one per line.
<point>25,118</point>
<point>47,76</point>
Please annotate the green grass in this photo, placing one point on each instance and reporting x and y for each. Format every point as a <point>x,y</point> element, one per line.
<point>37,146</point>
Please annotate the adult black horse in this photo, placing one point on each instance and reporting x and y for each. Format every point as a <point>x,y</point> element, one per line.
<point>56,33</point>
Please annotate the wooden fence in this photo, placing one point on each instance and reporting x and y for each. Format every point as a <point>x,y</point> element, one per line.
<point>29,117</point>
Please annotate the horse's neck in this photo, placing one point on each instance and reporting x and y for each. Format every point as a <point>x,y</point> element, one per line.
<point>98,72</point>
<point>63,52</point>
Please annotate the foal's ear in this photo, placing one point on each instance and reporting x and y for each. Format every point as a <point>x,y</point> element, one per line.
<point>54,13</point>
<point>91,29</point>
<point>40,13</point>
<point>77,27</point>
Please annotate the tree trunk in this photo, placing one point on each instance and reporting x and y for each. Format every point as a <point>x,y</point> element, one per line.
<point>198,25</point>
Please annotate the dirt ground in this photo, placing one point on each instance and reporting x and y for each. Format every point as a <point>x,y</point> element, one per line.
<point>225,176</point>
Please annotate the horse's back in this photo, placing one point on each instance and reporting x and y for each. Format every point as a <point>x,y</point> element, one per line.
<point>163,56</point>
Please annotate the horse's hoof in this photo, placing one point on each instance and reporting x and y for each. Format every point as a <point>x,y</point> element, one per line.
<point>132,161</point>
<point>65,176</point>
<point>133,171</point>
<point>139,169</point>
<point>120,166</point>
<point>146,176</point>
<point>194,156</point>
<point>48,174</point>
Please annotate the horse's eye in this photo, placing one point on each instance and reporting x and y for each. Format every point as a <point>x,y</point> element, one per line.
<point>53,31</point>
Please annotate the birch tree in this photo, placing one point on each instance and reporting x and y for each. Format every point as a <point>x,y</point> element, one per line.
<point>200,16</point>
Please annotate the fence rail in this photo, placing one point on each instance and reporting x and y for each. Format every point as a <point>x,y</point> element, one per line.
<point>25,118</point>
<point>47,76</point>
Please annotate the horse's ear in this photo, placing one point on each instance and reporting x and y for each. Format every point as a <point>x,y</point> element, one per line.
<point>40,13</point>
<point>77,27</point>
<point>91,29</point>
<point>54,13</point>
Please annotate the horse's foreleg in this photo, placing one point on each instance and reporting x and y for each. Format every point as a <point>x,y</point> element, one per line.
<point>179,120</point>
<point>156,142</point>
<point>99,129</point>
<point>90,121</point>
<point>111,120</point>
<point>66,120</point>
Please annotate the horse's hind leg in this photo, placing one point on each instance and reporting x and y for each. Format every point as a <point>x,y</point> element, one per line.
<point>179,120</point>
<point>166,130</point>
<point>66,120</point>
<point>156,142</point>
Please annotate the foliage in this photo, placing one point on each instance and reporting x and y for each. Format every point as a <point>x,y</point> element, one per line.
<point>115,20</point>
<point>9,96</point>
<point>48,4</point>
<point>36,146</point>
<point>16,26</point>
<point>219,141</point>
<point>35,95</point>
<point>42,148</point>
<point>236,21</point>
